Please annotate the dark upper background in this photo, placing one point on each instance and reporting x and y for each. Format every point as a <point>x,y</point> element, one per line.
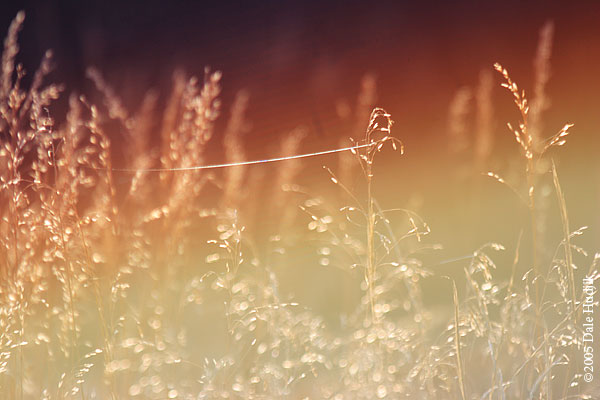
<point>298,59</point>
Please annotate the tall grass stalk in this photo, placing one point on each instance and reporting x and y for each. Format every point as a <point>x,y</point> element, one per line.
<point>568,252</point>
<point>459,362</point>
<point>525,139</point>
<point>366,158</point>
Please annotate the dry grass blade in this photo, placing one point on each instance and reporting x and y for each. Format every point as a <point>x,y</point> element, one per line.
<point>459,362</point>
<point>567,238</point>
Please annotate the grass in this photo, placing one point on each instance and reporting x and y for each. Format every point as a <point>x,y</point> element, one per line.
<point>131,284</point>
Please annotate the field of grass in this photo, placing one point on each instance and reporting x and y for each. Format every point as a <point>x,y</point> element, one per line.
<point>132,267</point>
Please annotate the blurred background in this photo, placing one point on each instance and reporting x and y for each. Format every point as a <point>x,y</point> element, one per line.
<point>320,65</point>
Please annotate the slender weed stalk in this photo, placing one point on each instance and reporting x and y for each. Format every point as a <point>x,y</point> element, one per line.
<point>525,139</point>
<point>568,252</point>
<point>379,122</point>
<point>533,151</point>
<point>459,362</point>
